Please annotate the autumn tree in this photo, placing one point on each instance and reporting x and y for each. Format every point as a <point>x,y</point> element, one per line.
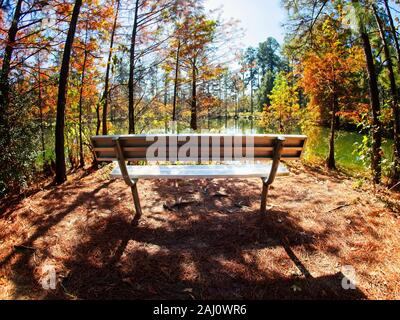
<point>393,86</point>
<point>361,17</point>
<point>148,20</point>
<point>285,107</point>
<point>326,74</point>
<point>198,33</point>
<point>106,94</point>
<point>61,172</point>
<point>19,41</point>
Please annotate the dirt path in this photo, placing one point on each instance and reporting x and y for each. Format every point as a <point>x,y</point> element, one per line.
<point>201,240</point>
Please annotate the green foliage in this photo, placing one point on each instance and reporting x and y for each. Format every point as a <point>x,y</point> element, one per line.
<point>285,108</point>
<point>263,94</point>
<point>363,148</point>
<point>18,156</point>
<point>268,57</point>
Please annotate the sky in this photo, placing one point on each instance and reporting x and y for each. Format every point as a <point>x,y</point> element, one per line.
<point>260,18</point>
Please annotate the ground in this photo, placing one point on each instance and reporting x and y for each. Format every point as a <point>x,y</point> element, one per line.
<point>202,240</point>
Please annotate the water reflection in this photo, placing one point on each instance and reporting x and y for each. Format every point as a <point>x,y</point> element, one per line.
<point>316,149</point>
<point>219,125</point>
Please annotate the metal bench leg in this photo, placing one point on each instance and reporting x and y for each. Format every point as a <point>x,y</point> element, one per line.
<point>274,169</point>
<point>136,201</point>
<point>125,174</point>
<point>264,198</point>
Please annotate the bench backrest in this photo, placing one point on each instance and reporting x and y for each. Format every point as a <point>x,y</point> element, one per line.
<point>197,147</point>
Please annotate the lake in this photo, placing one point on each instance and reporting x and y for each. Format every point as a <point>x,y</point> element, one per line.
<point>316,149</point>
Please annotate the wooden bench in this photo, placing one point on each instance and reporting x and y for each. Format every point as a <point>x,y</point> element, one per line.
<point>242,155</point>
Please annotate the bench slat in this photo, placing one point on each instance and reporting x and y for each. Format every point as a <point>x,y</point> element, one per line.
<point>199,172</point>
<point>134,147</point>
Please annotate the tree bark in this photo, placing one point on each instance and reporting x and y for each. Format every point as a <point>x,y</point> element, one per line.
<point>393,30</point>
<point>330,162</point>
<point>61,172</point>
<point>105,98</point>
<point>40,104</point>
<point>6,67</point>
<point>98,117</point>
<point>193,120</point>
<point>393,86</point>
<point>131,84</point>
<point>81,155</point>
<point>376,158</point>
<point>176,81</point>
<point>251,97</point>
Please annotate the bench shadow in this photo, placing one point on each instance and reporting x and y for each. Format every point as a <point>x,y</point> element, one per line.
<point>202,251</point>
<point>125,261</point>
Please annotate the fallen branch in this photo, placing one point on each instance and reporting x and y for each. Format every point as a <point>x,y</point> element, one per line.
<point>394,187</point>
<point>24,248</point>
<point>338,208</point>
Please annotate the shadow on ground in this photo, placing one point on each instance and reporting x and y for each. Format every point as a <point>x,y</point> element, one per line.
<point>216,246</point>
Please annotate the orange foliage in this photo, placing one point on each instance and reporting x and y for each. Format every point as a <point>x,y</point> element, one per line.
<point>332,72</point>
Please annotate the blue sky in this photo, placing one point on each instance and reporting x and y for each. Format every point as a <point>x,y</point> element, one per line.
<point>260,18</point>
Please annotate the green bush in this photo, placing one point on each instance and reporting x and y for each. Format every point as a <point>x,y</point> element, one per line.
<point>18,145</point>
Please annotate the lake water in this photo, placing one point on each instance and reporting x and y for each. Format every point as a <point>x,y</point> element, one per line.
<point>317,146</point>
<point>316,149</point>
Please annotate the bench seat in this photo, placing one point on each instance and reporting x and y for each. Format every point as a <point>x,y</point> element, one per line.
<point>199,172</point>
<point>232,157</point>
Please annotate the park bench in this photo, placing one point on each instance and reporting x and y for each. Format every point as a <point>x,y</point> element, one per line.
<point>233,156</point>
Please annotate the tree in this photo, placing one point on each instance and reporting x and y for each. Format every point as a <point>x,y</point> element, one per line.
<point>24,18</point>
<point>106,95</point>
<point>393,85</point>
<point>61,172</point>
<point>250,58</point>
<point>198,33</point>
<point>147,14</point>
<point>176,80</point>
<point>285,107</point>
<point>6,66</point>
<point>268,57</point>
<point>21,42</point>
<point>270,63</point>
<point>326,75</point>
<point>376,156</point>
<point>304,16</point>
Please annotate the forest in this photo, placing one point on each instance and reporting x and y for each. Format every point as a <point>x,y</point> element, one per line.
<point>72,69</point>
<point>78,76</point>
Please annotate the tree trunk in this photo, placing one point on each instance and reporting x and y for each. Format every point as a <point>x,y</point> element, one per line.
<point>393,85</point>
<point>176,81</point>
<point>166,90</point>
<point>226,99</point>
<point>251,98</point>
<point>61,172</point>
<point>131,84</point>
<point>6,67</point>
<point>105,97</point>
<point>393,30</point>
<point>81,155</point>
<point>330,162</point>
<point>40,104</point>
<point>98,117</point>
<point>376,110</point>
<point>193,120</point>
